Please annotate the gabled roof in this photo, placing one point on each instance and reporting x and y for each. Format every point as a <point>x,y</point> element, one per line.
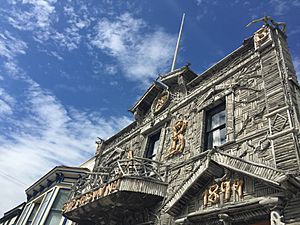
<point>213,165</point>
<point>167,79</point>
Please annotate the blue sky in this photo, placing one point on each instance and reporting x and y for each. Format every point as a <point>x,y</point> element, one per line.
<point>70,70</point>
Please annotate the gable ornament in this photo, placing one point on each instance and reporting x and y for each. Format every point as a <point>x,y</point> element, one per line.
<point>160,102</point>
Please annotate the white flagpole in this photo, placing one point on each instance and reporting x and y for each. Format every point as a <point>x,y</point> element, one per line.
<point>177,45</point>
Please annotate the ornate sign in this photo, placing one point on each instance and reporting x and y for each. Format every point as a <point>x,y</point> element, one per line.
<point>91,196</point>
<point>160,102</point>
<point>213,193</point>
<point>178,141</point>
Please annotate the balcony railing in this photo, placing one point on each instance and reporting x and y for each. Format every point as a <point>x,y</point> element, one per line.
<point>141,168</point>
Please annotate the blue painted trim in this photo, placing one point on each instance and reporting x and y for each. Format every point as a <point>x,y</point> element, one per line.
<point>65,221</point>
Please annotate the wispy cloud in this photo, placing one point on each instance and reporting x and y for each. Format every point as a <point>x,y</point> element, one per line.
<point>140,53</point>
<point>37,131</point>
<point>42,19</point>
<point>7,102</point>
<point>48,134</point>
<point>37,16</point>
<point>11,46</point>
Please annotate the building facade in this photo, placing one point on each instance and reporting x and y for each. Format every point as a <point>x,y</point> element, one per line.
<point>218,148</point>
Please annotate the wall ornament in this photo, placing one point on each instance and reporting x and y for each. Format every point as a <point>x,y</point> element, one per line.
<point>160,102</point>
<point>178,141</point>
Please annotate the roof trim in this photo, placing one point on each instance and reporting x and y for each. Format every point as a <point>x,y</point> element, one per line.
<point>162,78</point>
<point>267,174</point>
<point>56,169</point>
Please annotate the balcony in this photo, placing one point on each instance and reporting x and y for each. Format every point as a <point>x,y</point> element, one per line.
<point>127,185</point>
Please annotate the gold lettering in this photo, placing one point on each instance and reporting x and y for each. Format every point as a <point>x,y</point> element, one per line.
<point>205,198</point>
<point>213,195</point>
<point>238,186</point>
<point>225,188</point>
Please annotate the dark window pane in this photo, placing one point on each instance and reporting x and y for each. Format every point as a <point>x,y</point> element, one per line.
<point>152,146</point>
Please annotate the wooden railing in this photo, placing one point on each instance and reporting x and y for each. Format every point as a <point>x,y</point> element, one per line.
<point>141,168</point>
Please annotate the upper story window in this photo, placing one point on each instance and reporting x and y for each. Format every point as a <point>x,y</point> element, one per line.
<point>33,212</point>
<point>55,214</point>
<point>152,146</point>
<point>215,133</point>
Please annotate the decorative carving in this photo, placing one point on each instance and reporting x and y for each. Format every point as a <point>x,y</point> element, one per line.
<point>266,20</point>
<point>91,196</point>
<point>249,118</point>
<point>178,141</point>
<point>213,192</point>
<point>238,186</point>
<point>279,122</point>
<point>261,146</point>
<point>261,36</point>
<point>160,102</point>
<point>276,218</point>
<point>225,188</point>
<point>130,154</point>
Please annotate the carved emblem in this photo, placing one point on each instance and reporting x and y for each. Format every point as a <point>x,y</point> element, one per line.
<point>261,36</point>
<point>213,193</point>
<point>160,102</point>
<point>178,141</point>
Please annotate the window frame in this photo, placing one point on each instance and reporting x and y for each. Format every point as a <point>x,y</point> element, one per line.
<point>208,134</point>
<point>151,142</point>
<point>52,209</point>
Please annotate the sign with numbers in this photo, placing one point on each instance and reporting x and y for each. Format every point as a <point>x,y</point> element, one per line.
<point>225,189</point>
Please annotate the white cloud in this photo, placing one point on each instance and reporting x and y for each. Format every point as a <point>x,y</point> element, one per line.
<point>6,103</point>
<point>10,46</point>
<point>48,134</point>
<point>140,53</point>
<point>38,15</point>
<point>42,19</point>
<point>37,131</point>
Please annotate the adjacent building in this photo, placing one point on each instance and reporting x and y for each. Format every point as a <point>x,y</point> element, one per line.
<point>217,148</point>
<point>11,217</point>
<point>45,198</point>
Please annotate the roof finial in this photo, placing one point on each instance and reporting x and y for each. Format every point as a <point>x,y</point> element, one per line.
<point>266,20</point>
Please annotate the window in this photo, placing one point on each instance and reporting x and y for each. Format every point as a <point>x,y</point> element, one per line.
<point>55,214</point>
<point>215,134</point>
<point>152,146</point>
<point>42,207</point>
<point>33,212</point>
<point>24,214</point>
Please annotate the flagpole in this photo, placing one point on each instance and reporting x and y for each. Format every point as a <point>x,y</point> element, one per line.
<point>177,45</point>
